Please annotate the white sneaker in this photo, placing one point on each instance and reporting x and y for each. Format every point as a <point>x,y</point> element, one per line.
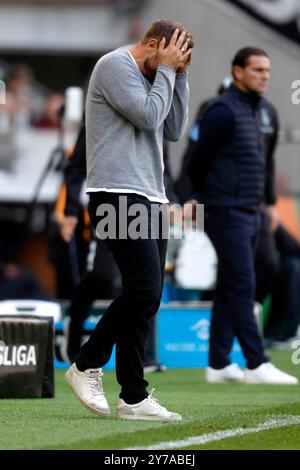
<point>231,373</point>
<point>267,373</point>
<point>88,388</point>
<point>148,409</point>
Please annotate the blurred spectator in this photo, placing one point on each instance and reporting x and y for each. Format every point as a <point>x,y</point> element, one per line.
<point>13,232</point>
<point>277,266</point>
<point>69,260</point>
<point>23,98</point>
<point>50,118</point>
<point>19,283</point>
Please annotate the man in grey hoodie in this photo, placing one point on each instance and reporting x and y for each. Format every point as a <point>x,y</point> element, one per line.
<point>136,95</point>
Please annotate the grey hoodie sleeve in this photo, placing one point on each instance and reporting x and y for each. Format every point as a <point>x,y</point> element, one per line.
<point>177,119</point>
<point>121,84</point>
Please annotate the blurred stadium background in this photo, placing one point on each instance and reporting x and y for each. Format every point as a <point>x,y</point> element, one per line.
<point>47,46</point>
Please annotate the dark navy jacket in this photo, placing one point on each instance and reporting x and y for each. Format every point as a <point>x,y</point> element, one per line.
<point>229,166</point>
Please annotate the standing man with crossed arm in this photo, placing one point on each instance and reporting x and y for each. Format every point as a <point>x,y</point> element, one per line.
<point>136,96</point>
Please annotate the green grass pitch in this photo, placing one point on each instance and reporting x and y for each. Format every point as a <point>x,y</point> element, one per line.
<point>62,423</point>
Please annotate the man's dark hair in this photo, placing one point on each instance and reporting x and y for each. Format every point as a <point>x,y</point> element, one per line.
<point>241,58</point>
<point>165,28</point>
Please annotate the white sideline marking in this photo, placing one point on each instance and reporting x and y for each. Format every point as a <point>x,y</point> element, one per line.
<point>219,435</point>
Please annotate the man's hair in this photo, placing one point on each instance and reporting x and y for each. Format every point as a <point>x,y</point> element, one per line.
<point>165,28</point>
<point>241,58</point>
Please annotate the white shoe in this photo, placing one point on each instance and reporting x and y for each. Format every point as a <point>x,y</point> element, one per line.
<point>267,373</point>
<point>88,388</point>
<point>148,409</point>
<point>231,373</point>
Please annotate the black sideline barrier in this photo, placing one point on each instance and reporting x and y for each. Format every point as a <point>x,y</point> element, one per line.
<point>26,357</point>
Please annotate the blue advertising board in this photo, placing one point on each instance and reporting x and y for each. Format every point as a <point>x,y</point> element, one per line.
<point>183,335</point>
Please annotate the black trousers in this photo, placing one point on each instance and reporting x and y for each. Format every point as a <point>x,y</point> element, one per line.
<point>234,234</point>
<point>126,322</point>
